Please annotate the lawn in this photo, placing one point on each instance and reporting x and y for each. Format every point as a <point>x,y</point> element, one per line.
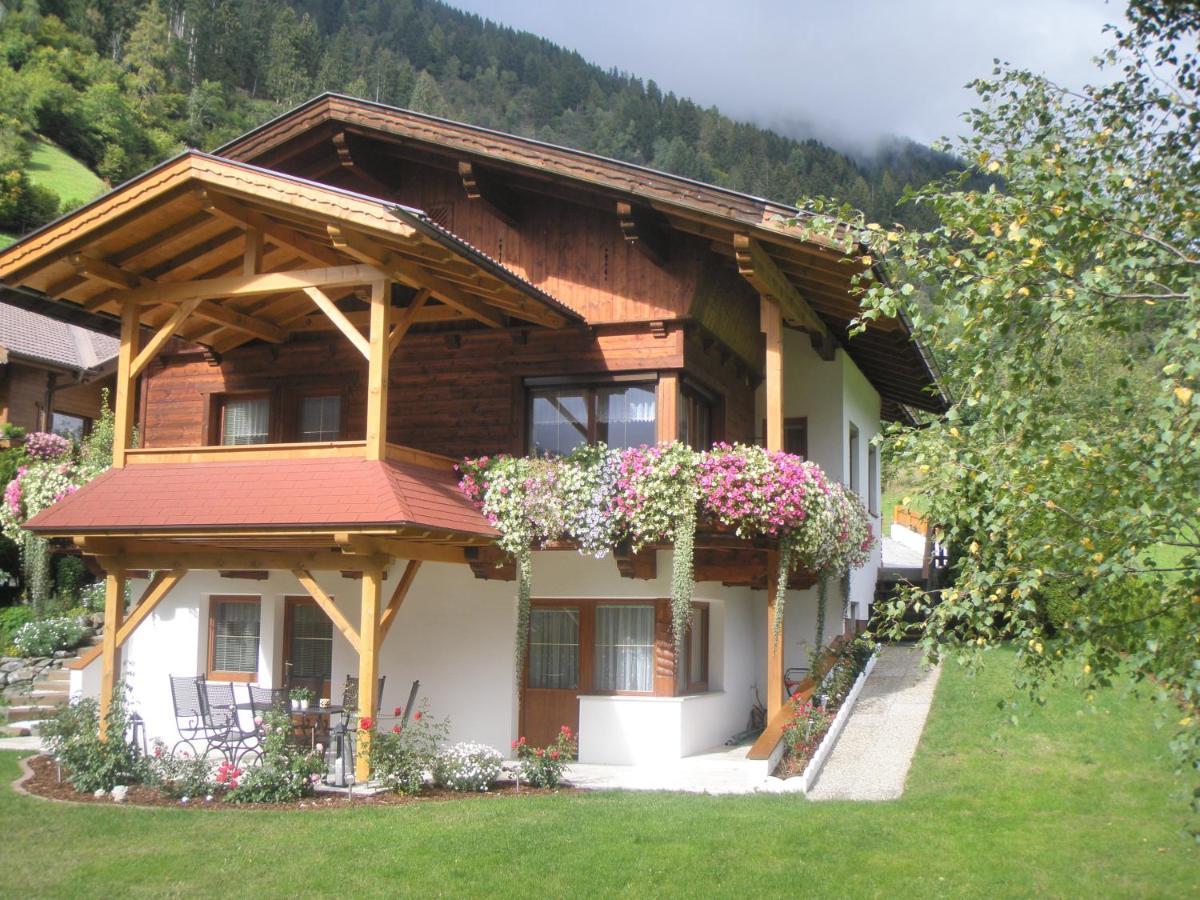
<point>54,168</point>
<point>1071,801</point>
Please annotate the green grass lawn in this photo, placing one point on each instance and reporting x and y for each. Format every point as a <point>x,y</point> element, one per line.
<point>1071,802</point>
<point>6,239</point>
<point>54,168</point>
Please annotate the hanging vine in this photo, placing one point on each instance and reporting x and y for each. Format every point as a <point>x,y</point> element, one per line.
<point>524,593</point>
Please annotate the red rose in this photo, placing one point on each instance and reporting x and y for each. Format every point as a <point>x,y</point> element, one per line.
<point>416,716</point>
<point>541,752</point>
<point>398,711</point>
<point>554,754</point>
<point>395,729</point>
<point>366,723</point>
<point>566,729</point>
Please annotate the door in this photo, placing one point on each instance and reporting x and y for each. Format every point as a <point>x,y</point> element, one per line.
<point>553,672</point>
<point>307,645</point>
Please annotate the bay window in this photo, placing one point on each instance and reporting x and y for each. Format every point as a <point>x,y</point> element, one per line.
<point>563,417</point>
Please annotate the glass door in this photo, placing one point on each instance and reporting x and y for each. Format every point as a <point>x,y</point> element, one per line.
<point>553,673</point>
<point>308,646</point>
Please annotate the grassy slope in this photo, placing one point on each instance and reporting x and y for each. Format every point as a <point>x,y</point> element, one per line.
<point>1069,803</point>
<point>54,168</point>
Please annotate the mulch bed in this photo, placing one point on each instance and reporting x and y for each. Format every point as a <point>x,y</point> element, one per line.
<point>44,783</point>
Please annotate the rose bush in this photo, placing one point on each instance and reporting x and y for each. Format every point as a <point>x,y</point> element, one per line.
<point>544,766</point>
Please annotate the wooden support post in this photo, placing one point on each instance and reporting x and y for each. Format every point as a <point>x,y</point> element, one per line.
<point>771,322</point>
<point>368,668</point>
<point>114,612</point>
<point>126,384</point>
<point>772,326</point>
<point>377,371</point>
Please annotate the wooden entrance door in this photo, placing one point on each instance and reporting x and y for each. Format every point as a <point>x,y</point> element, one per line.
<point>307,645</point>
<point>555,670</point>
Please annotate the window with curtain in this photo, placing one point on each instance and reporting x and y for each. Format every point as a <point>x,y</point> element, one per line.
<point>321,418</point>
<point>311,642</point>
<point>245,420</point>
<point>624,648</point>
<point>554,647</point>
<point>563,418</point>
<point>233,626</point>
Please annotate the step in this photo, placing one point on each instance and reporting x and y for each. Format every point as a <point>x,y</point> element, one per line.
<point>56,675</point>
<point>22,730</point>
<point>28,713</point>
<point>50,694</point>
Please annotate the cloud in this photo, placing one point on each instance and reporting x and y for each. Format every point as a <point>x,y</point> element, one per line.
<point>845,72</point>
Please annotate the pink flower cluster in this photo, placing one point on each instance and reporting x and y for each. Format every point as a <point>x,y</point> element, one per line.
<point>758,492</point>
<point>12,494</point>
<point>43,445</point>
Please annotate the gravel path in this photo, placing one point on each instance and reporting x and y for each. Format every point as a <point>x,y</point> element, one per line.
<point>873,754</point>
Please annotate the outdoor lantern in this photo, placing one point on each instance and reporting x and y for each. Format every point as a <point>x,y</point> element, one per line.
<point>341,770</point>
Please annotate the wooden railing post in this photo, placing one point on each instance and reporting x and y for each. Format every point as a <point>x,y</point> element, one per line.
<point>114,613</point>
<point>771,323</point>
<point>368,668</point>
<point>377,371</point>
<point>126,384</point>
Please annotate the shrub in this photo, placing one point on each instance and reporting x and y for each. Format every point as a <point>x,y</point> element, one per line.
<point>91,596</point>
<point>73,738</point>
<point>179,775</point>
<point>44,445</point>
<point>284,773</point>
<point>44,637</point>
<point>12,618</point>
<point>467,767</point>
<point>403,757</point>
<point>544,766</point>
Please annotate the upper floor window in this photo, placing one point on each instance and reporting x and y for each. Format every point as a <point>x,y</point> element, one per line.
<point>321,418</point>
<point>245,419</point>
<point>695,418</point>
<point>853,478</point>
<point>564,417</point>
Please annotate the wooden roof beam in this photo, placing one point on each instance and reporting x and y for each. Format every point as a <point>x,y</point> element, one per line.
<point>338,318</point>
<point>481,187</point>
<point>227,208</point>
<point>406,320</point>
<point>252,285</point>
<point>396,267</point>
<point>756,266</point>
<point>646,231</point>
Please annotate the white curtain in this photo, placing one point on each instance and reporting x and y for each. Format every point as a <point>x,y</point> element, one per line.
<point>554,648</point>
<point>246,421</point>
<point>625,648</point>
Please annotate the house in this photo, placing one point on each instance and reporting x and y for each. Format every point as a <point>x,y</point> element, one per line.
<point>52,373</point>
<point>359,296</point>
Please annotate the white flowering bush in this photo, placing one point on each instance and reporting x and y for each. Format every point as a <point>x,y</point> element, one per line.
<point>467,767</point>
<point>43,637</point>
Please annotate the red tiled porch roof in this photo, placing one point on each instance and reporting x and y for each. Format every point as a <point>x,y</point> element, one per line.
<point>320,493</point>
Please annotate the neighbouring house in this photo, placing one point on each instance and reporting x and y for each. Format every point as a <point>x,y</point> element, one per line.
<point>320,318</point>
<point>52,372</point>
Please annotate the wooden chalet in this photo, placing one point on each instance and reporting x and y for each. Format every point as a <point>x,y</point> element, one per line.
<point>317,320</point>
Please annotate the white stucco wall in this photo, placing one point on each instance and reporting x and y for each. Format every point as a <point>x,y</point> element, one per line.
<point>455,634</point>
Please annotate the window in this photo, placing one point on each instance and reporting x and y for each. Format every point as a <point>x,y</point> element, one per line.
<point>625,648</point>
<point>554,648</point>
<point>244,419</point>
<point>852,475</point>
<point>321,418</point>
<point>795,436</point>
<point>692,672</point>
<point>310,640</point>
<point>70,426</point>
<point>233,638</point>
<point>563,418</point>
<point>695,418</point>
<point>873,479</point>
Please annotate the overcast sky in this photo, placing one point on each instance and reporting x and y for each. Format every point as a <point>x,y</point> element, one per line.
<point>845,71</point>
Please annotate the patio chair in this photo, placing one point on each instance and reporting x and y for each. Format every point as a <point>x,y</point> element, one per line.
<point>225,732</point>
<point>350,697</point>
<point>189,713</point>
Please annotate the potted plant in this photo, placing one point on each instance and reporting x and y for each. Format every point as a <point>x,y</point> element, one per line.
<point>301,698</point>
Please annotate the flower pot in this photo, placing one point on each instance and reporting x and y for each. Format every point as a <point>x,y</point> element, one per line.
<point>297,704</point>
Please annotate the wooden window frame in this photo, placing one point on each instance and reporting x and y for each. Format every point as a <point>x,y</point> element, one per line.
<point>220,674</point>
<point>297,407</point>
<point>665,685</point>
<point>216,418</point>
<point>590,386</point>
<point>88,421</point>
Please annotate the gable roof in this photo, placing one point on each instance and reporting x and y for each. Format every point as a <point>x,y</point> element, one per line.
<point>900,369</point>
<point>187,219</point>
<point>46,340</point>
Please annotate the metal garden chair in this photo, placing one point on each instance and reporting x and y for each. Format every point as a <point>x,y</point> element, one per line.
<point>224,728</point>
<point>189,714</point>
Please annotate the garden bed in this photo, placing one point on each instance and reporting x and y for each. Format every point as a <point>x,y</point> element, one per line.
<point>43,781</point>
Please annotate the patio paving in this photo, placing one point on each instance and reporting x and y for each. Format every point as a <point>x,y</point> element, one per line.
<point>723,770</point>
<point>873,755</point>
